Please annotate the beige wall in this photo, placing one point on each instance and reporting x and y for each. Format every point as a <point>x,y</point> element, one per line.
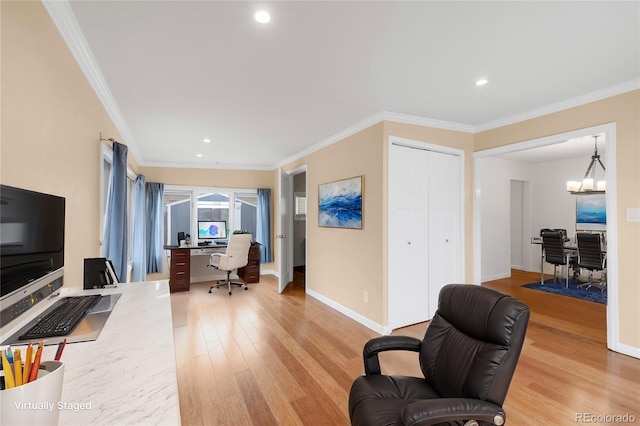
<point>250,179</point>
<point>624,110</point>
<point>342,263</point>
<point>50,126</point>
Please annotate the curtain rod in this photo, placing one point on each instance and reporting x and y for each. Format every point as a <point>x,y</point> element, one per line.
<point>108,139</point>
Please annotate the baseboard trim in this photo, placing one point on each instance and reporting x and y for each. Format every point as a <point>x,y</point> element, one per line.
<point>496,277</point>
<point>627,350</point>
<point>381,329</point>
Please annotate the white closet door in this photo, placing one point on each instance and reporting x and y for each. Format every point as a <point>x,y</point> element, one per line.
<point>408,238</point>
<point>444,229</point>
<point>424,251</point>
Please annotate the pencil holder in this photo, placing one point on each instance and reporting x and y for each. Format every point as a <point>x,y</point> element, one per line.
<point>35,403</point>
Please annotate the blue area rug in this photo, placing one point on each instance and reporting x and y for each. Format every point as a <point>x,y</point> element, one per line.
<point>550,286</point>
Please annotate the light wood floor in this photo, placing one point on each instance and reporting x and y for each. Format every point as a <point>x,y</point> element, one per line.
<point>260,358</point>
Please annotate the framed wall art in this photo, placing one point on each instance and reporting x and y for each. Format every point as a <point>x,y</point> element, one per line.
<point>340,203</point>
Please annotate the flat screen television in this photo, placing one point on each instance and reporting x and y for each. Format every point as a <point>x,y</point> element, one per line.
<point>212,229</point>
<point>591,212</point>
<point>31,237</point>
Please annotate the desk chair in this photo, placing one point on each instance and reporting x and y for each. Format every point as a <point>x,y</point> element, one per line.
<point>553,252</point>
<point>467,356</point>
<point>236,256</point>
<point>591,257</point>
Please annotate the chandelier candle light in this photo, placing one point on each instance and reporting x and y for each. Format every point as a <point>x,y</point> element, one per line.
<point>586,186</point>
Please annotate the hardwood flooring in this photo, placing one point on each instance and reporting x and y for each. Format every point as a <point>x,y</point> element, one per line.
<point>261,358</point>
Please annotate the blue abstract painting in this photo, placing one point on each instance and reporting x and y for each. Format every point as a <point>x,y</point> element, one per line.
<point>340,204</point>
<point>591,209</point>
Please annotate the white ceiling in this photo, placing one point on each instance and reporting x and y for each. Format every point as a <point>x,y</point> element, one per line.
<point>181,71</point>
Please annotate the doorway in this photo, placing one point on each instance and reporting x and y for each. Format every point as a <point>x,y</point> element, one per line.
<point>609,131</point>
<point>299,227</point>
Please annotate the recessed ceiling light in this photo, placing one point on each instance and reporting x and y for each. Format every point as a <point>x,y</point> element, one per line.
<point>198,155</point>
<point>206,140</point>
<point>482,82</point>
<point>262,16</point>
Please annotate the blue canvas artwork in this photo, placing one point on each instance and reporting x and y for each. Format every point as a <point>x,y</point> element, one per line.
<point>340,204</point>
<point>591,209</point>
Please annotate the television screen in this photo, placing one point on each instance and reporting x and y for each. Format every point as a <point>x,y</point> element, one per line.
<point>31,236</point>
<point>212,229</point>
<point>591,212</point>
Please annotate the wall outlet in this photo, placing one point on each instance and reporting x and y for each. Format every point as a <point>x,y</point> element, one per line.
<point>365,296</point>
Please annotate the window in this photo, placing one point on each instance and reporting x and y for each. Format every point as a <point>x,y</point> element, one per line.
<point>177,215</point>
<point>300,207</point>
<point>238,208</point>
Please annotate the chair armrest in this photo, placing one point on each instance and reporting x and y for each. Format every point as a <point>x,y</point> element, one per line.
<point>441,410</point>
<point>386,343</point>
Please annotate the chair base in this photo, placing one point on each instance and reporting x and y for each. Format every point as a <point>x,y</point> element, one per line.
<point>602,285</point>
<point>228,284</point>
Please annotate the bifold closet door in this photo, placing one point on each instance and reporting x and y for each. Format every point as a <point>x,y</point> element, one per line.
<point>424,236</point>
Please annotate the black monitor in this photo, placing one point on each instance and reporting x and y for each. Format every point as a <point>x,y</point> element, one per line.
<point>31,248</point>
<point>212,229</point>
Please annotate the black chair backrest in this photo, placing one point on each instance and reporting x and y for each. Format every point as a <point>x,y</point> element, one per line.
<point>553,247</point>
<point>590,254</point>
<point>472,345</point>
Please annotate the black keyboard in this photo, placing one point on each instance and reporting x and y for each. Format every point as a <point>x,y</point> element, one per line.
<point>63,318</point>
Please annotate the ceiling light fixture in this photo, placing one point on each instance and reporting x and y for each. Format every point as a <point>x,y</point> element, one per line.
<point>482,82</point>
<point>586,186</point>
<point>198,155</point>
<point>262,16</point>
<point>206,140</point>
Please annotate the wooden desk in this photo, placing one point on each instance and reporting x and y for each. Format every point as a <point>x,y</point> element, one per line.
<point>180,264</point>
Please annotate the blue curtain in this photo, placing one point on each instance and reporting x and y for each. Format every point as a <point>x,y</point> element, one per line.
<point>154,226</point>
<point>139,255</point>
<point>115,238</point>
<point>263,233</point>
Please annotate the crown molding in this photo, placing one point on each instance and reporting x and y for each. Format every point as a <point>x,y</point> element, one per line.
<point>427,122</point>
<point>373,120</point>
<point>65,21</point>
<point>560,106</point>
<point>361,125</point>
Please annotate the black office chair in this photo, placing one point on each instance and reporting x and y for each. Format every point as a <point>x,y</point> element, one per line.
<point>553,252</point>
<point>468,356</point>
<point>592,258</point>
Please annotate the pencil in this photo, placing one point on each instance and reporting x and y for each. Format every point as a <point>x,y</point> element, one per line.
<point>61,346</point>
<point>28,361</point>
<point>17,367</point>
<point>36,365</point>
<point>8,374</point>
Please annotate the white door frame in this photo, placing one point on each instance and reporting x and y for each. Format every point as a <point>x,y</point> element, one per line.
<point>444,150</point>
<point>613,339</point>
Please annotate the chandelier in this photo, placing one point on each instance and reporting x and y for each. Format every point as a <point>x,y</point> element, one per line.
<point>586,186</point>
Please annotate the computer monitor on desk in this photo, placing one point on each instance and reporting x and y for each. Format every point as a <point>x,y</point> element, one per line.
<point>212,230</point>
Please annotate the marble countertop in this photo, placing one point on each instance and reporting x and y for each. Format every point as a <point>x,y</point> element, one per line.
<point>128,375</point>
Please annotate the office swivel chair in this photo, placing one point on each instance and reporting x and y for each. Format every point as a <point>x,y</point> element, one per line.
<point>467,356</point>
<point>236,256</point>
<point>591,257</point>
<point>553,252</point>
